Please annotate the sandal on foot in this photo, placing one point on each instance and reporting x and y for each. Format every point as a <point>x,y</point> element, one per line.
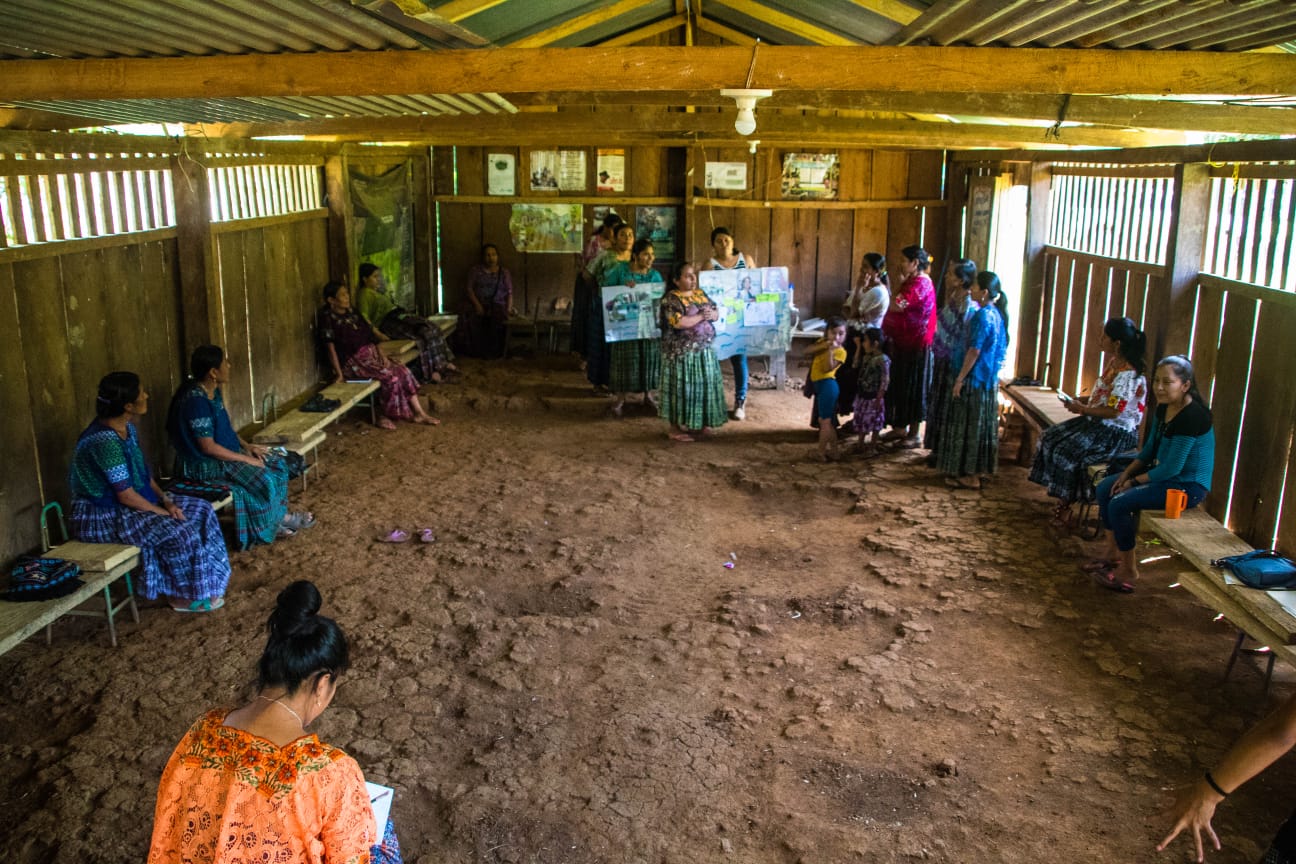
<point>1108,580</point>
<point>207,604</point>
<point>681,437</point>
<point>396,536</point>
<point>283,532</point>
<point>298,520</point>
<point>1098,565</point>
<point>910,443</point>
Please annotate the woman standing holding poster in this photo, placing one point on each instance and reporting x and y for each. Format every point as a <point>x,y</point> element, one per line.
<point>726,257</point>
<point>692,391</point>
<point>598,360</point>
<point>635,363</point>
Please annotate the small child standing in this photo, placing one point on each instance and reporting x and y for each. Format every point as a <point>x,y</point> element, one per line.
<point>874,375</point>
<point>827,357</point>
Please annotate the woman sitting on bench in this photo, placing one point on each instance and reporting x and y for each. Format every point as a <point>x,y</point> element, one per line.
<point>1179,454</point>
<point>1107,423</point>
<point>392,322</point>
<point>208,450</point>
<point>116,500</point>
<point>352,350</point>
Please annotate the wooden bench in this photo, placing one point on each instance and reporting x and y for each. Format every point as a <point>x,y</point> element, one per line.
<point>102,564</point>
<point>300,427</point>
<point>1039,408</point>
<point>305,449</point>
<point>401,351</point>
<point>1256,614</point>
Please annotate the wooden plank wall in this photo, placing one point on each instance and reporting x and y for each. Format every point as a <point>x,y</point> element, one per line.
<point>271,277</point>
<point>820,244</point>
<point>74,318</point>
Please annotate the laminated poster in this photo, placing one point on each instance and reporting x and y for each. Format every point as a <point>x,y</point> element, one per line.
<point>571,170</point>
<point>500,176</point>
<point>546,227</point>
<point>544,170</point>
<point>810,176</point>
<point>755,310</point>
<point>611,170</point>
<point>658,225</point>
<point>630,311</point>
<point>726,175</point>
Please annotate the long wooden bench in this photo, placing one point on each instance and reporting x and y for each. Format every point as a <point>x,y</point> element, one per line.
<point>300,427</point>
<point>1255,613</point>
<point>1040,408</point>
<point>102,564</point>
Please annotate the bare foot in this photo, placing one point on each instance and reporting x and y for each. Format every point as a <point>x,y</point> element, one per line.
<point>427,420</point>
<point>681,437</point>
<point>386,423</point>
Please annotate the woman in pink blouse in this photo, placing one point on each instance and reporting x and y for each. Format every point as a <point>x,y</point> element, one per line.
<point>910,326</point>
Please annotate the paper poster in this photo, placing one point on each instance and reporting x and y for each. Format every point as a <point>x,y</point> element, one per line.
<point>544,170</point>
<point>726,175</point>
<point>571,170</point>
<point>611,170</point>
<point>755,310</point>
<point>600,213</point>
<point>630,311</point>
<point>810,176</point>
<point>500,176</point>
<point>546,227</point>
<point>658,225</point>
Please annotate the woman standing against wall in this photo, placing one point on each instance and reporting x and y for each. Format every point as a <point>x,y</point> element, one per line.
<point>910,326</point>
<point>599,242</point>
<point>865,307</point>
<point>598,363</point>
<point>635,363</point>
<point>490,302</point>
<point>726,257</point>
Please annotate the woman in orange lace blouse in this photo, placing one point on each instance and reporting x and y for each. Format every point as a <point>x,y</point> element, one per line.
<point>252,784</point>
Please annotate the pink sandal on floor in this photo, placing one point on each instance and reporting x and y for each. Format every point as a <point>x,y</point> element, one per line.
<point>396,536</point>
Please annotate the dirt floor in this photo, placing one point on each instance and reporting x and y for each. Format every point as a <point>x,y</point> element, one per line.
<point>890,671</point>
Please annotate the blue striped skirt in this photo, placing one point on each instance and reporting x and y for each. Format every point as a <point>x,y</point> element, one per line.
<point>185,559</point>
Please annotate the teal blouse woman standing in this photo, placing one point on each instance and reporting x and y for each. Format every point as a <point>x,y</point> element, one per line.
<point>636,363</point>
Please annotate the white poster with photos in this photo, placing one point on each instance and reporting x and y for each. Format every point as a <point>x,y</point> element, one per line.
<point>500,174</point>
<point>755,307</point>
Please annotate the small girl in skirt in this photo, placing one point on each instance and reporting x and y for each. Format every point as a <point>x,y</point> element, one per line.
<point>873,375</point>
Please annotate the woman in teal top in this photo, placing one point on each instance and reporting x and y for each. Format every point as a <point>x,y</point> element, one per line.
<point>1179,454</point>
<point>635,363</point>
<point>967,448</point>
<point>392,322</point>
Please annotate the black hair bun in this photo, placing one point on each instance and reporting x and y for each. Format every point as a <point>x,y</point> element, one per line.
<point>297,604</point>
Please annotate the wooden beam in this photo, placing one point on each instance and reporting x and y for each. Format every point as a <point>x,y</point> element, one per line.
<point>419,12</point>
<point>647,31</point>
<point>1227,151</point>
<point>565,70</point>
<point>798,27</point>
<point>605,128</point>
<point>892,10</point>
<point>574,25</point>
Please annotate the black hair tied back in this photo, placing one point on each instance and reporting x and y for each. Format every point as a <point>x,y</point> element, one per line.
<point>302,643</point>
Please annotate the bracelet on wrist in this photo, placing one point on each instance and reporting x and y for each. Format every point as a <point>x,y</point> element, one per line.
<point>1210,781</point>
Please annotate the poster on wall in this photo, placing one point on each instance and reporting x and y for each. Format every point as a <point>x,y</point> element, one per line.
<point>611,170</point>
<point>658,225</point>
<point>755,310</point>
<point>571,170</point>
<point>810,176</point>
<point>980,211</point>
<point>382,228</point>
<point>630,311</point>
<point>726,175</point>
<point>546,227</point>
<point>544,170</point>
<point>500,176</point>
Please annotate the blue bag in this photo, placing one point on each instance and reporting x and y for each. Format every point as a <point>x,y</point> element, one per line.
<point>1263,568</point>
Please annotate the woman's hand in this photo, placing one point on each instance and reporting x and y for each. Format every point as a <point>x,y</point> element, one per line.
<point>173,510</point>
<point>957,388</point>
<point>1074,406</point>
<point>1194,808</point>
<point>710,313</point>
<point>259,450</point>
<point>477,306</point>
<point>1125,482</point>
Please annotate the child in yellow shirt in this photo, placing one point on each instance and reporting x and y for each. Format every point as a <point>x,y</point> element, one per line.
<point>827,355</point>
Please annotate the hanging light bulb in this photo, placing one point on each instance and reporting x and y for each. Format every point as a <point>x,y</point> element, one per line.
<point>745,122</point>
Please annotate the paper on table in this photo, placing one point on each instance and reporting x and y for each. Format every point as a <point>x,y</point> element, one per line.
<point>380,799</point>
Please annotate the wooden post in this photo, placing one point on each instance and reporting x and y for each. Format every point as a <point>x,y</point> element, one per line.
<point>956,192</point>
<point>1031,310</point>
<point>1188,221</point>
<point>424,232</point>
<point>201,305</point>
<point>339,217</point>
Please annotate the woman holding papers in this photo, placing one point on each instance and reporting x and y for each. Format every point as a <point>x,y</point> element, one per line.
<point>635,364</point>
<point>252,783</point>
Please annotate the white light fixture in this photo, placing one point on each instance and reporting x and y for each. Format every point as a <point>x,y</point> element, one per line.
<point>745,123</point>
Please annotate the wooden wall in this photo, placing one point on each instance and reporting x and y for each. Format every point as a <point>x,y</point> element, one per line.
<point>819,242</point>
<point>69,319</point>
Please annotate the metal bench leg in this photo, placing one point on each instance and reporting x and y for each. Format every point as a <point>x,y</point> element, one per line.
<point>109,610</point>
<point>1237,648</point>
<point>1269,671</point>
<point>130,598</point>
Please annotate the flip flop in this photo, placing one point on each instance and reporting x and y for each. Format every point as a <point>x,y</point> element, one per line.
<point>681,437</point>
<point>396,536</point>
<point>1108,580</point>
<point>283,532</point>
<point>425,535</point>
<point>207,604</point>
<point>298,520</point>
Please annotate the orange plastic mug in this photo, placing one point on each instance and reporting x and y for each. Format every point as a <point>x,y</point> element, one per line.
<point>1176,503</point>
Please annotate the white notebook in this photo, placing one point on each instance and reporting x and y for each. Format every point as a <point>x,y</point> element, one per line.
<point>380,799</point>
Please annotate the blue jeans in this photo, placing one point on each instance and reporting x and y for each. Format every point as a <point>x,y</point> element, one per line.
<point>739,363</point>
<point>826,392</point>
<point>1120,514</point>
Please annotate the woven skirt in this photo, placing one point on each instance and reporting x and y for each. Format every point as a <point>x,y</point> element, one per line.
<point>692,390</point>
<point>1065,450</point>
<point>185,559</point>
<point>969,440</point>
<point>906,397</point>
<point>635,365</point>
<point>260,494</point>
<point>938,402</point>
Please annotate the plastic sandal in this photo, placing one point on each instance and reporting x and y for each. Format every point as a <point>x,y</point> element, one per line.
<point>299,520</point>
<point>283,532</point>
<point>1108,580</point>
<point>396,536</point>
<point>426,535</point>
<point>205,605</point>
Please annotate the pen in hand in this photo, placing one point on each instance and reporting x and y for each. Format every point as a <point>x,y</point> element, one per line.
<point>380,796</point>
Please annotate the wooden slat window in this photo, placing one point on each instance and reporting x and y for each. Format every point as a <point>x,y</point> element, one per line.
<point>1104,213</point>
<point>256,190</point>
<point>1251,236</point>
